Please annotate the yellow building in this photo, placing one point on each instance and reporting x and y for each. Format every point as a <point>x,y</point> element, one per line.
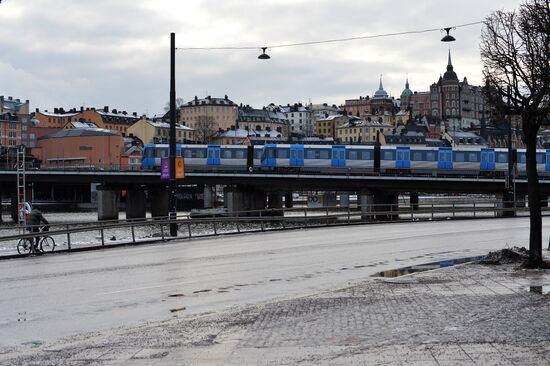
<point>149,132</point>
<point>360,131</point>
<point>221,113</point>
<point>326,127</point>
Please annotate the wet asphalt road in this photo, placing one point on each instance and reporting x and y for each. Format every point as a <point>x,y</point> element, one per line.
<point>57,296</point>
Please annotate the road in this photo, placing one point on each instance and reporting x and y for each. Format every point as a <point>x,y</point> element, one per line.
<point>56,296</point>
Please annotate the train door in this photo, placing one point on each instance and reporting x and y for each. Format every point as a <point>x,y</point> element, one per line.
<point>487,159</point>
<point>403,158</point>
<point>296,155</point>
<point>338,156</point>
<point>445,158</point>
<point>213,155</point>
<point>268,156</point>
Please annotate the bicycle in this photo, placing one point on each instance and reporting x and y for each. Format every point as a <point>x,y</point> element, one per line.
<point>45,244</point>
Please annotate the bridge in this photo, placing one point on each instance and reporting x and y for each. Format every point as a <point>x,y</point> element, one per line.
<point>247,191</point>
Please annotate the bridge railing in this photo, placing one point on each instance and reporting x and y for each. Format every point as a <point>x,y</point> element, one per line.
<point>82,236</point>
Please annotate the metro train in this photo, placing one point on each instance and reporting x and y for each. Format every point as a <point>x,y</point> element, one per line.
<point>348,159</point>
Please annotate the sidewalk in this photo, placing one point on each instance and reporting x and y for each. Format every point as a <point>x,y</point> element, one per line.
<point>464,315</point>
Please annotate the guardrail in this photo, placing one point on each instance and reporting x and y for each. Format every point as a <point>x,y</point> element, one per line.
<point>83,236</point>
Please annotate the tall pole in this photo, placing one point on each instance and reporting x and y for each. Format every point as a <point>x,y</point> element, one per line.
<point>510,152</point>
<point>172,152</point>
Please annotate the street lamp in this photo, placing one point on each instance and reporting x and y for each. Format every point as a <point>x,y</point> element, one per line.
<point>172,141</point>
<point>264,56</point>
<point>448,37</point>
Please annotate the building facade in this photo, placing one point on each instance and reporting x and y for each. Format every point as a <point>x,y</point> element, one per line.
<point>157,132</point>
<point>14,122</point>
<point>80,148</point>
<point>456,102</point>
<point>218,113</point>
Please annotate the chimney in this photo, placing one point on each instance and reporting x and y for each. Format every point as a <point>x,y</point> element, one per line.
<point>27,101</point>
<point>134,114</point>
<point>55,110</point>
<point>10,98</point>
<point>115,111</point>
<point>37,110</point>
<point>106,109</point>
<point>81,109</point>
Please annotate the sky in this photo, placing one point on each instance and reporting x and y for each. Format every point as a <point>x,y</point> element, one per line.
<point>116,53</point>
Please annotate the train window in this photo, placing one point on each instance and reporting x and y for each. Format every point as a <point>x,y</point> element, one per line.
<point>502,157</point>
<point>161,152</point>
<point>540,158</point>
<point>472,156</point>
<point>226,154</point>
<point>417,156</point>
<point>522,158</point>
<point>323,154</point>
<point>239,154</point>
<point>388,155</point>
<point>178,152</point>
<point>430,156</point>
<point>282,153</point>
<point>187,153</point>
<point>367,155</point>
<point>149,153</point>
<point>257,154</point>
<point>198,153</point>
<point>459,156</point>
<point>352,154</point>
<point>310,154</point>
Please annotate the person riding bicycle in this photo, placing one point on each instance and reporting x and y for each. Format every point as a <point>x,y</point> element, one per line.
<point>33,224</point>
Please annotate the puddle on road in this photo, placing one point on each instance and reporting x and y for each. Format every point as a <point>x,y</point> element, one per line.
<point>426,267</point>
<point>541,290</point>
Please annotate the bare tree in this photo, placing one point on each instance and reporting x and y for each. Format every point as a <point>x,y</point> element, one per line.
<point>179,102</point>
<point>515,50</point>
<point>205,128</point>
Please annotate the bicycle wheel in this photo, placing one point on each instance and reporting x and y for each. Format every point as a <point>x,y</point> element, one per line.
<point>47,244</point>
<point>24,246</point>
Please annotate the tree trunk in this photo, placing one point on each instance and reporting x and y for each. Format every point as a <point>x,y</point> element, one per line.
<point>535,233</point>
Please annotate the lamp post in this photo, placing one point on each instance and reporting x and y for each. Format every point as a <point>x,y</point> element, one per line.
<point>172,143</point>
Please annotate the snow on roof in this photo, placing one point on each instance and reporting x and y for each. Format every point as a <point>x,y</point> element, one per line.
<point>57,114</point>
<point>159,124</point>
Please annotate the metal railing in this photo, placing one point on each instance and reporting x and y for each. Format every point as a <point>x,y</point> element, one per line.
<point>83,236</point>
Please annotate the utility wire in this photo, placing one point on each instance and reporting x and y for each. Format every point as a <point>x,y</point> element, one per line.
<point>326,40</point>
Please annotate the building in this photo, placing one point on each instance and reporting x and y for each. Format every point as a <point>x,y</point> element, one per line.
<point>326,127</point>
<point>459,104</point>
<point>381,103</point>
<point>267,119</point>
<point>208,113</point>
<point>300,119</point>
<point>357,107</point>
<point>464,138</point>
<point>80,148</point>
<point>324,110</point>
<point>102,118</point>
<point>357,130</point>
<point>14,121</point>
<point>245,136</point>
<point>157,132</point>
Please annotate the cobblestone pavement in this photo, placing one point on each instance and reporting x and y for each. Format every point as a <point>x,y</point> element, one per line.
<point>463,315</point>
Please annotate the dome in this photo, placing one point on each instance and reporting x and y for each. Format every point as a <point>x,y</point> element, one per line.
<point>380,93</point>
<point>406,92</point>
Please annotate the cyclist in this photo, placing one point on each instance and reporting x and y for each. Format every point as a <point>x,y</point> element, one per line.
<point>33,224</point>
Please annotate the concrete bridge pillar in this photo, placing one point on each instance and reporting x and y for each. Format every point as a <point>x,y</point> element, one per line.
<point>289,200</point>
<point>135,204</point>
<point>505,204</point>
<point>208,192</point>
<point>329,199</point>
<point>344,199</point>
<point>160,204</point>
<point>386,206</point>
<point>275,202</point>
<point>366,201</point>
<point>237,200</point>
<point>413,198</point>
<point>107,204</point>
